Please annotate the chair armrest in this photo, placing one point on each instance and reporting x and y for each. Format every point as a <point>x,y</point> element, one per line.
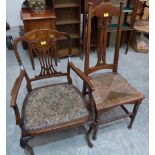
<point>14,94</point>
<point>82,76</point>
<point>87,82</point>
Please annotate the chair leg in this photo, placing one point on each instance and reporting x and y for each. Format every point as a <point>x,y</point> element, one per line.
<point>135,110</point>
<point>24,145</point>
<point>88,136</point>
<point>123,38</point>
<point>128,42</point>
<point>95,130</point>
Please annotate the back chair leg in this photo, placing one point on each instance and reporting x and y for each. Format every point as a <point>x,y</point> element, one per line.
<point>108,38</point>
<point>24,145</point>
<point>128,42</point>
<point>135,110</point>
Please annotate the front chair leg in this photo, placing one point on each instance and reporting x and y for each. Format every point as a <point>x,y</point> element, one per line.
<point>95,130</point>
<point>24,145</point>
<point>89,134</point>
<point>135,110</point>
<point>129,41</point>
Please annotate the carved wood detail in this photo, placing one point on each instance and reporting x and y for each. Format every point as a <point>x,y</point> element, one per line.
<point>44,43</point>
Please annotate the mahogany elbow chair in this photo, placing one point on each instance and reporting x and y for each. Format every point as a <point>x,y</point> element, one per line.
<point>43,109</point>
<point>111,89</point>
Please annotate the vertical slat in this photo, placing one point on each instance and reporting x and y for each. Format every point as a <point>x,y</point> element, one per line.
<point>102,43</point>
<point>104,46</point>
<point>118,38</point>
<point>100,46</point>
<point>88,39</point>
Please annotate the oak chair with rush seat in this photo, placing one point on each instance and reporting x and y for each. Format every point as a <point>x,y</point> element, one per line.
<point>51,107</point>
<point>111,89</point>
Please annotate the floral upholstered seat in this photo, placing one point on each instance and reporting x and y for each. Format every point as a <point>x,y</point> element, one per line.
<point>54,106</point>
<point>112,89</point>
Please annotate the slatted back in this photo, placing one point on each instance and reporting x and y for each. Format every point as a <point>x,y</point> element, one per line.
<point>44,44</point>
<point>104,14</point>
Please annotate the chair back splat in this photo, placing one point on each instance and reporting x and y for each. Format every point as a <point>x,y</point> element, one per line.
<point>45,45</point>
<point>104,14</point>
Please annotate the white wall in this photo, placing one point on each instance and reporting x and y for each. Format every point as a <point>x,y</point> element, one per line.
<point>13,12</point>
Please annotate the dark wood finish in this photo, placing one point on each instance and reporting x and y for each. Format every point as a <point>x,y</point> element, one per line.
<point>85,11</point>
<point>68,13</point>
<point>110,11</point>
<point>44,43</point>
<point>14,94</point>
<point>104,21</point>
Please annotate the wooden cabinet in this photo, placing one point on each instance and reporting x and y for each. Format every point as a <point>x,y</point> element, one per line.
<point>41,21</point>
<point>68,16</point>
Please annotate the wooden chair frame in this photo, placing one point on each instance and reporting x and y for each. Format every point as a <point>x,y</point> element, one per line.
<point>104,12</point>
<point>47,71</point>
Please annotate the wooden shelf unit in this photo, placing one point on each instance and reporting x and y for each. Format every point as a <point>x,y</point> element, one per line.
<point>68,18</point>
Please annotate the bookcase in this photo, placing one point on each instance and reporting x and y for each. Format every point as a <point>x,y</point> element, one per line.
<point>68,18</point>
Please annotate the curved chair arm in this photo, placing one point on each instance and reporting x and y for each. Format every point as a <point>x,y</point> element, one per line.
<point>82,76</point>
<point>14,94</point>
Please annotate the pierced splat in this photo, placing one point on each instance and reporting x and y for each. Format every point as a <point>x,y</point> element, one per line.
<point>102,42</point>
<point>44,44</point>
<point>45,50</point>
